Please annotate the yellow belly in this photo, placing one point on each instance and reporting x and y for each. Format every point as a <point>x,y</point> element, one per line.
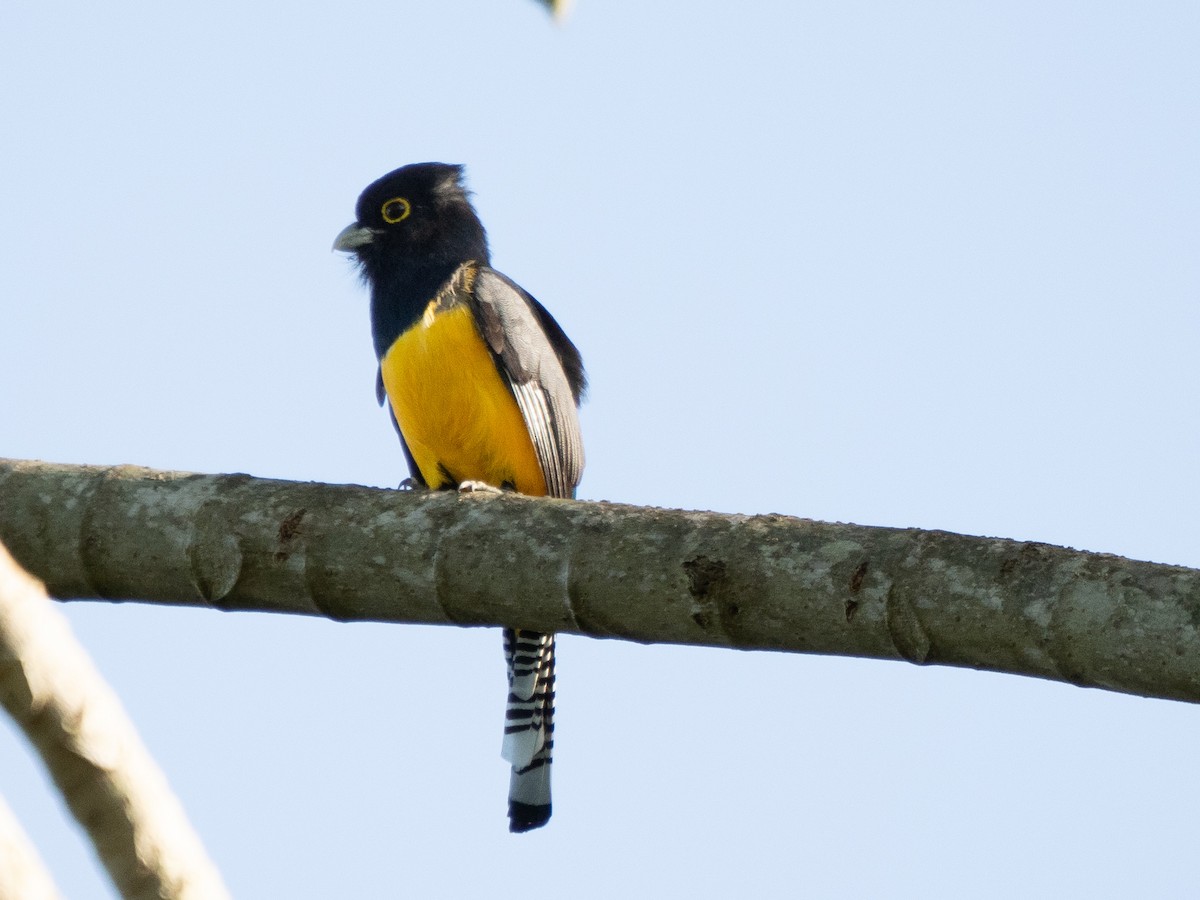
<point>455,411</point>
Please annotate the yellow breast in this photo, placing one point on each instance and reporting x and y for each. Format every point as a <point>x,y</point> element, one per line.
<point>456,413</point>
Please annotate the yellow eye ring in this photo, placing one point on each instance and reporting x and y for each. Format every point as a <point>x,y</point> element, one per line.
<point>395,210</point>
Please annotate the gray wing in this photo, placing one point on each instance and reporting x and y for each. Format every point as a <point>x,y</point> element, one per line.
<point>536,368</point>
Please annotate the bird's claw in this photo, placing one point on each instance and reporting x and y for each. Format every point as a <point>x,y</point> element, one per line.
<point>478,487</point>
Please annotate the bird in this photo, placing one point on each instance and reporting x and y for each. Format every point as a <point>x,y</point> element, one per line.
<point>483,387</point>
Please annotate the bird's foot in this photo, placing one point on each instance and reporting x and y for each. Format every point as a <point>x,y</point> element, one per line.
<point>478,487</point>
<point>410,484</point>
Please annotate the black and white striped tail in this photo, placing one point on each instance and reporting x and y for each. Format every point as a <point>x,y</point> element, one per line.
<point>529,726</point>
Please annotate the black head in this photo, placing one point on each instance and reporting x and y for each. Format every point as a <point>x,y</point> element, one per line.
<point>412,223</point>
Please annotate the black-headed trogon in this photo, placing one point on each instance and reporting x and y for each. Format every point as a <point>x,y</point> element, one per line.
<point>483,386</point>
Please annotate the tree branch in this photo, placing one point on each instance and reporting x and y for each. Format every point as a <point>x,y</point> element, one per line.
<point>93,753</point>
<point>23,876</point>
<point>752,582</point>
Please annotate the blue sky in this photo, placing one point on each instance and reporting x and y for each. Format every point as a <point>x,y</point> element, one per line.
<point>926,264</point>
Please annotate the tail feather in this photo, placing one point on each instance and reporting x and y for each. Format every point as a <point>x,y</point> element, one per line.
<point>529,726</point>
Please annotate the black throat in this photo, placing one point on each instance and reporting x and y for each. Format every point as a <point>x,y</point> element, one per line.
<point>403,284</point>
<point>399,297</point>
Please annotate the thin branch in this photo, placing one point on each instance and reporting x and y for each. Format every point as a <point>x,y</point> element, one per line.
<point>112,786</point>
<point>23,876</point>
<point>752,582</point>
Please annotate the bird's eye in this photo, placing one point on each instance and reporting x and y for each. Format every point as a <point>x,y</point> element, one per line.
<point>396,210</point>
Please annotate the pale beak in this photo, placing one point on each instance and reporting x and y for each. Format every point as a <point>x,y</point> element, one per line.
<point>352,237</point>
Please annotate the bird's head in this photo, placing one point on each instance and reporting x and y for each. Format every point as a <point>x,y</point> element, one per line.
<point>417,217</point>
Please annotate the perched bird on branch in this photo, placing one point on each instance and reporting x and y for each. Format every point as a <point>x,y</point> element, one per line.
<point>483,387</point>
